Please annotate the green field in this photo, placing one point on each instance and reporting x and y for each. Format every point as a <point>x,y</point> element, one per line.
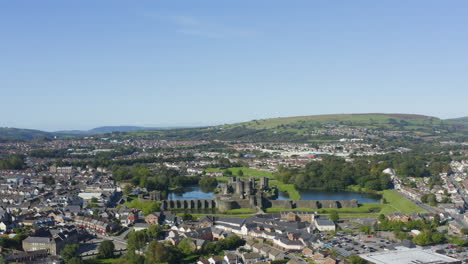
<point>368,120</point>
<point>362,209</point>
<point>298,128</point>
<point>221,215</point>
<point>397,203</point>
<point>240,211</point>
<point>247,172</point>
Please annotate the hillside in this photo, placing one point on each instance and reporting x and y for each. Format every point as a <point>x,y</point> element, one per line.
<point>461,120</point>
<point>319,128</point>
<point>104,130</point>
<point>313,128</point>
<point>9,133</point>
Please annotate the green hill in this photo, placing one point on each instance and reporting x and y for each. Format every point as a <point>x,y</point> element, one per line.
<point>462,121</point>
<point>312,128</point>
<point>9,133</point>
<point>354,120</point>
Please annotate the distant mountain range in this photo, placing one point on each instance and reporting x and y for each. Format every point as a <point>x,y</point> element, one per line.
<point>9,133</point>
<point>110,129</point>
<point>281,129</point>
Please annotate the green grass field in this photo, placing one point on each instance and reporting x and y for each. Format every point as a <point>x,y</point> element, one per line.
<point>240,211</point>
<point>247,172</point>
<point>397,203</point>
<point>222,215</point>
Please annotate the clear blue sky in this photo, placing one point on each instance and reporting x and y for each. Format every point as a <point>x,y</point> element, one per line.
<point>81,64</point>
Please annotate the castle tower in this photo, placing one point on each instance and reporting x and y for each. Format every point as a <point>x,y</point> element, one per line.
<point>240,187</point>
<point>264,183</point>
<point>248,188</point>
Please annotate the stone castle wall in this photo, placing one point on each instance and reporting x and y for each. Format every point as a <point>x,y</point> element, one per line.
<point>225,205</point>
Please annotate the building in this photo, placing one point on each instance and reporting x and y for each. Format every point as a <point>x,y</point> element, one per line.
<point>152,219</point>
<point>300,216</point>
<point>323,224</point>
<point>52,242</point>
<point>409,256</point>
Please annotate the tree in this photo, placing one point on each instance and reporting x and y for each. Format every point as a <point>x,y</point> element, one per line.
<point>161,253</point>
<point>437,237</point>
<point>422,239</point>
<point>106,249</point>
<point>187,246</point>
<point>334,216</point>
<point>240,173</point>
<point>187,217</point>
<point>75,260</point>
<point>69,251</point>
<point>154,231</point>
<point>366,229</point>
<point>208,183</point>
<point>127,189</point>
<point>136,240</point>
<point>381,217</point>
<point>436,221</point>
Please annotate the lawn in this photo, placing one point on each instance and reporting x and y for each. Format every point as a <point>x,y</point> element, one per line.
<point>289,188</point>
<point>397,203</point>
<point>362,209</point>
<point>221,215</point>
<point>146,207</point>
<point>240,211</point>
<point>247,172</point>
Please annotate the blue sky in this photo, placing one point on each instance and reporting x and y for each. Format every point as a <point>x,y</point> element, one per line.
<point>81,64</point>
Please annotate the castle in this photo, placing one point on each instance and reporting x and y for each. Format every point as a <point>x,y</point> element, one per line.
<point>238,193</point>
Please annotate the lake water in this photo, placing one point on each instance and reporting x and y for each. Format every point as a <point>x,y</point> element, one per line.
<point>190,193</point>
<point>321,195</point>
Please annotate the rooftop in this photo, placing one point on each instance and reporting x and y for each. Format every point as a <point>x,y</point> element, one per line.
<point>408,256</point>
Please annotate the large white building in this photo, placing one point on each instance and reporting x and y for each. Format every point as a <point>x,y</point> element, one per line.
<point>409,256</point>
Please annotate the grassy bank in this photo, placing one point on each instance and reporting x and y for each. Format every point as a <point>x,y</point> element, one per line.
<point>220,215</point>
<point>362,209</point>
<point>398,203</point>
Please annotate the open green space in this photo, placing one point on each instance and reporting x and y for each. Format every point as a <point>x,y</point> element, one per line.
<point>146,207</point>
<point>241,211</point>
<point>397,203</point>
<point>220,215</point>
<point>247,172</point>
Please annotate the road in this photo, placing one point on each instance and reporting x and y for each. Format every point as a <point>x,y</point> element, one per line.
<point>91,246</point>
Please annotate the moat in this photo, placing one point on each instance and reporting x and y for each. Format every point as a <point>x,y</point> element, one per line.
<point>195,192</point>
<point>190,193</point>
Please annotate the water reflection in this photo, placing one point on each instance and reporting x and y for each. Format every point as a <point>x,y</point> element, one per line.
<point>190,193</point>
